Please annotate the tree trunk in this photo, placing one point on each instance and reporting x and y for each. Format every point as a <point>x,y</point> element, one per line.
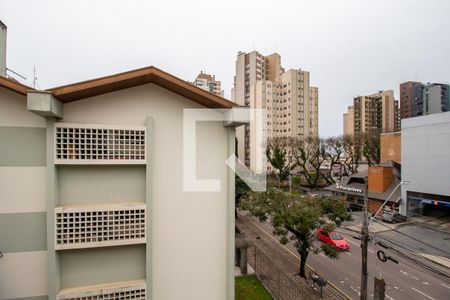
<point>290,182</point>
<point>303,257</point>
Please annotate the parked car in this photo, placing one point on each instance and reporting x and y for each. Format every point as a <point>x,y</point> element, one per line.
<point>354,207</point>
<point>393,217</point>
<point>334,239</point>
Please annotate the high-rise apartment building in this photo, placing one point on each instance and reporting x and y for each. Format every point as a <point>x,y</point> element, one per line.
<point>290,103</point>
<point>314,111</point>
<point>209,83</point>
<point>411,102</point>
<point>376,112</point>
<point>418,99</point>
<point>349,121</point>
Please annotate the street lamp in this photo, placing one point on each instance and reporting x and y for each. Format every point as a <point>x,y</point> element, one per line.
<point>387,199</point>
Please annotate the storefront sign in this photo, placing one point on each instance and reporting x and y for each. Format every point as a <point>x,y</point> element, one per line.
<point>347,188</point>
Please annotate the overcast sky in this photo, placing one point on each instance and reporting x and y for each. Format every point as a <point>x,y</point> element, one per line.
<point>351,47</point>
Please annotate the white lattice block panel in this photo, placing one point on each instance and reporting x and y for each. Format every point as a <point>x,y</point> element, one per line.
<point>99,144</point>
<point>118,291</point>
<point>88,226</point>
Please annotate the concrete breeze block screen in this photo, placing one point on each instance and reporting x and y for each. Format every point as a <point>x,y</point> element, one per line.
<point>87,226</point>
<point>99,144</point>
<point>118,291</point>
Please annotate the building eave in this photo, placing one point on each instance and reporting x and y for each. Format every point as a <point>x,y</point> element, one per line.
<point>133,78</point>
<point>14,86</point>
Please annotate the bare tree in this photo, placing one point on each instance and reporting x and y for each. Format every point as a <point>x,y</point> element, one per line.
<point>353,152</point>
<point>310,155</point>
<point>371,147</point>
<point>334,152</point>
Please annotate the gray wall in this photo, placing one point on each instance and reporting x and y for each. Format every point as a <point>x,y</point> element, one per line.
<point>94,184</point>
<point>102,265</point>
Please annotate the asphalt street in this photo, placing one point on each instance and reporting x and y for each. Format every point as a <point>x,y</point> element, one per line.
<point>405,280</point>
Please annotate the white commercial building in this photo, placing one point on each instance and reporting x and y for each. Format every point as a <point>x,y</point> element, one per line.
<point>426,164</point>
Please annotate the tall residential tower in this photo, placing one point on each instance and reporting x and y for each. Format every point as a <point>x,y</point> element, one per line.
<point>291,104</point>
<point>208,82</point>
<point>418,99</point>
<point>376,112</point>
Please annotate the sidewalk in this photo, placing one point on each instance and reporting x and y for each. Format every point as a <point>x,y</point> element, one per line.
<point>285,261</point>
<point>439,224</point>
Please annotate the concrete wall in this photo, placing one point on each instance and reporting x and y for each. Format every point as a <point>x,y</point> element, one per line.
<point>23,267</point>
<point>101,184</point>
<point>189,229</point>
<point>433,99</point>
<point>102,265</point>
<point>426,155</point>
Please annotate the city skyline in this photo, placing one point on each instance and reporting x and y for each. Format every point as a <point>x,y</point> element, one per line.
<point>336,52</point>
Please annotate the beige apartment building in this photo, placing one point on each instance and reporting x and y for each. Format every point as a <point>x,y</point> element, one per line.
<point>209,83</point>
<point>290,103</point>
<point>378,111</point>
<point>349,121</point>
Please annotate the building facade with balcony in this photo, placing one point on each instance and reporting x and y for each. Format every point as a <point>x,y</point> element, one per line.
<point>290,103</point>
<point>93,203</point>
<point>418,99</point>
<point>378,112</point>
<point>209,83</point>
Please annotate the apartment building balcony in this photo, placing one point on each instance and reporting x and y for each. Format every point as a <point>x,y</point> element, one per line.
<point>88,226</point>
<point>135,289</point>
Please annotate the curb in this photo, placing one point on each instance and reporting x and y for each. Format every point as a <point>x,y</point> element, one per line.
<point>432,260</point>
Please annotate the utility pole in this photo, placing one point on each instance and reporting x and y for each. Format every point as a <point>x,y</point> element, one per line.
<point>364,245</point>
<point>378,288</point>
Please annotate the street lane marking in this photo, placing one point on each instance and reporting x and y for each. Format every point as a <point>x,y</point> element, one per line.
<point>389,297</point>
<point>356,290</point>
<point>445,285</point>
<point>423,294</point>
<point>356,244</point>
<point>353,243</point>
<point>347,253</point>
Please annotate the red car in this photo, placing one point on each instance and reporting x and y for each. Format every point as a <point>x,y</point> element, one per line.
<point>334,239</point>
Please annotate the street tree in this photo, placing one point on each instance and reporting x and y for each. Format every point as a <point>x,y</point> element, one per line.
<point>296,218</point>
<point>279,154</point>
